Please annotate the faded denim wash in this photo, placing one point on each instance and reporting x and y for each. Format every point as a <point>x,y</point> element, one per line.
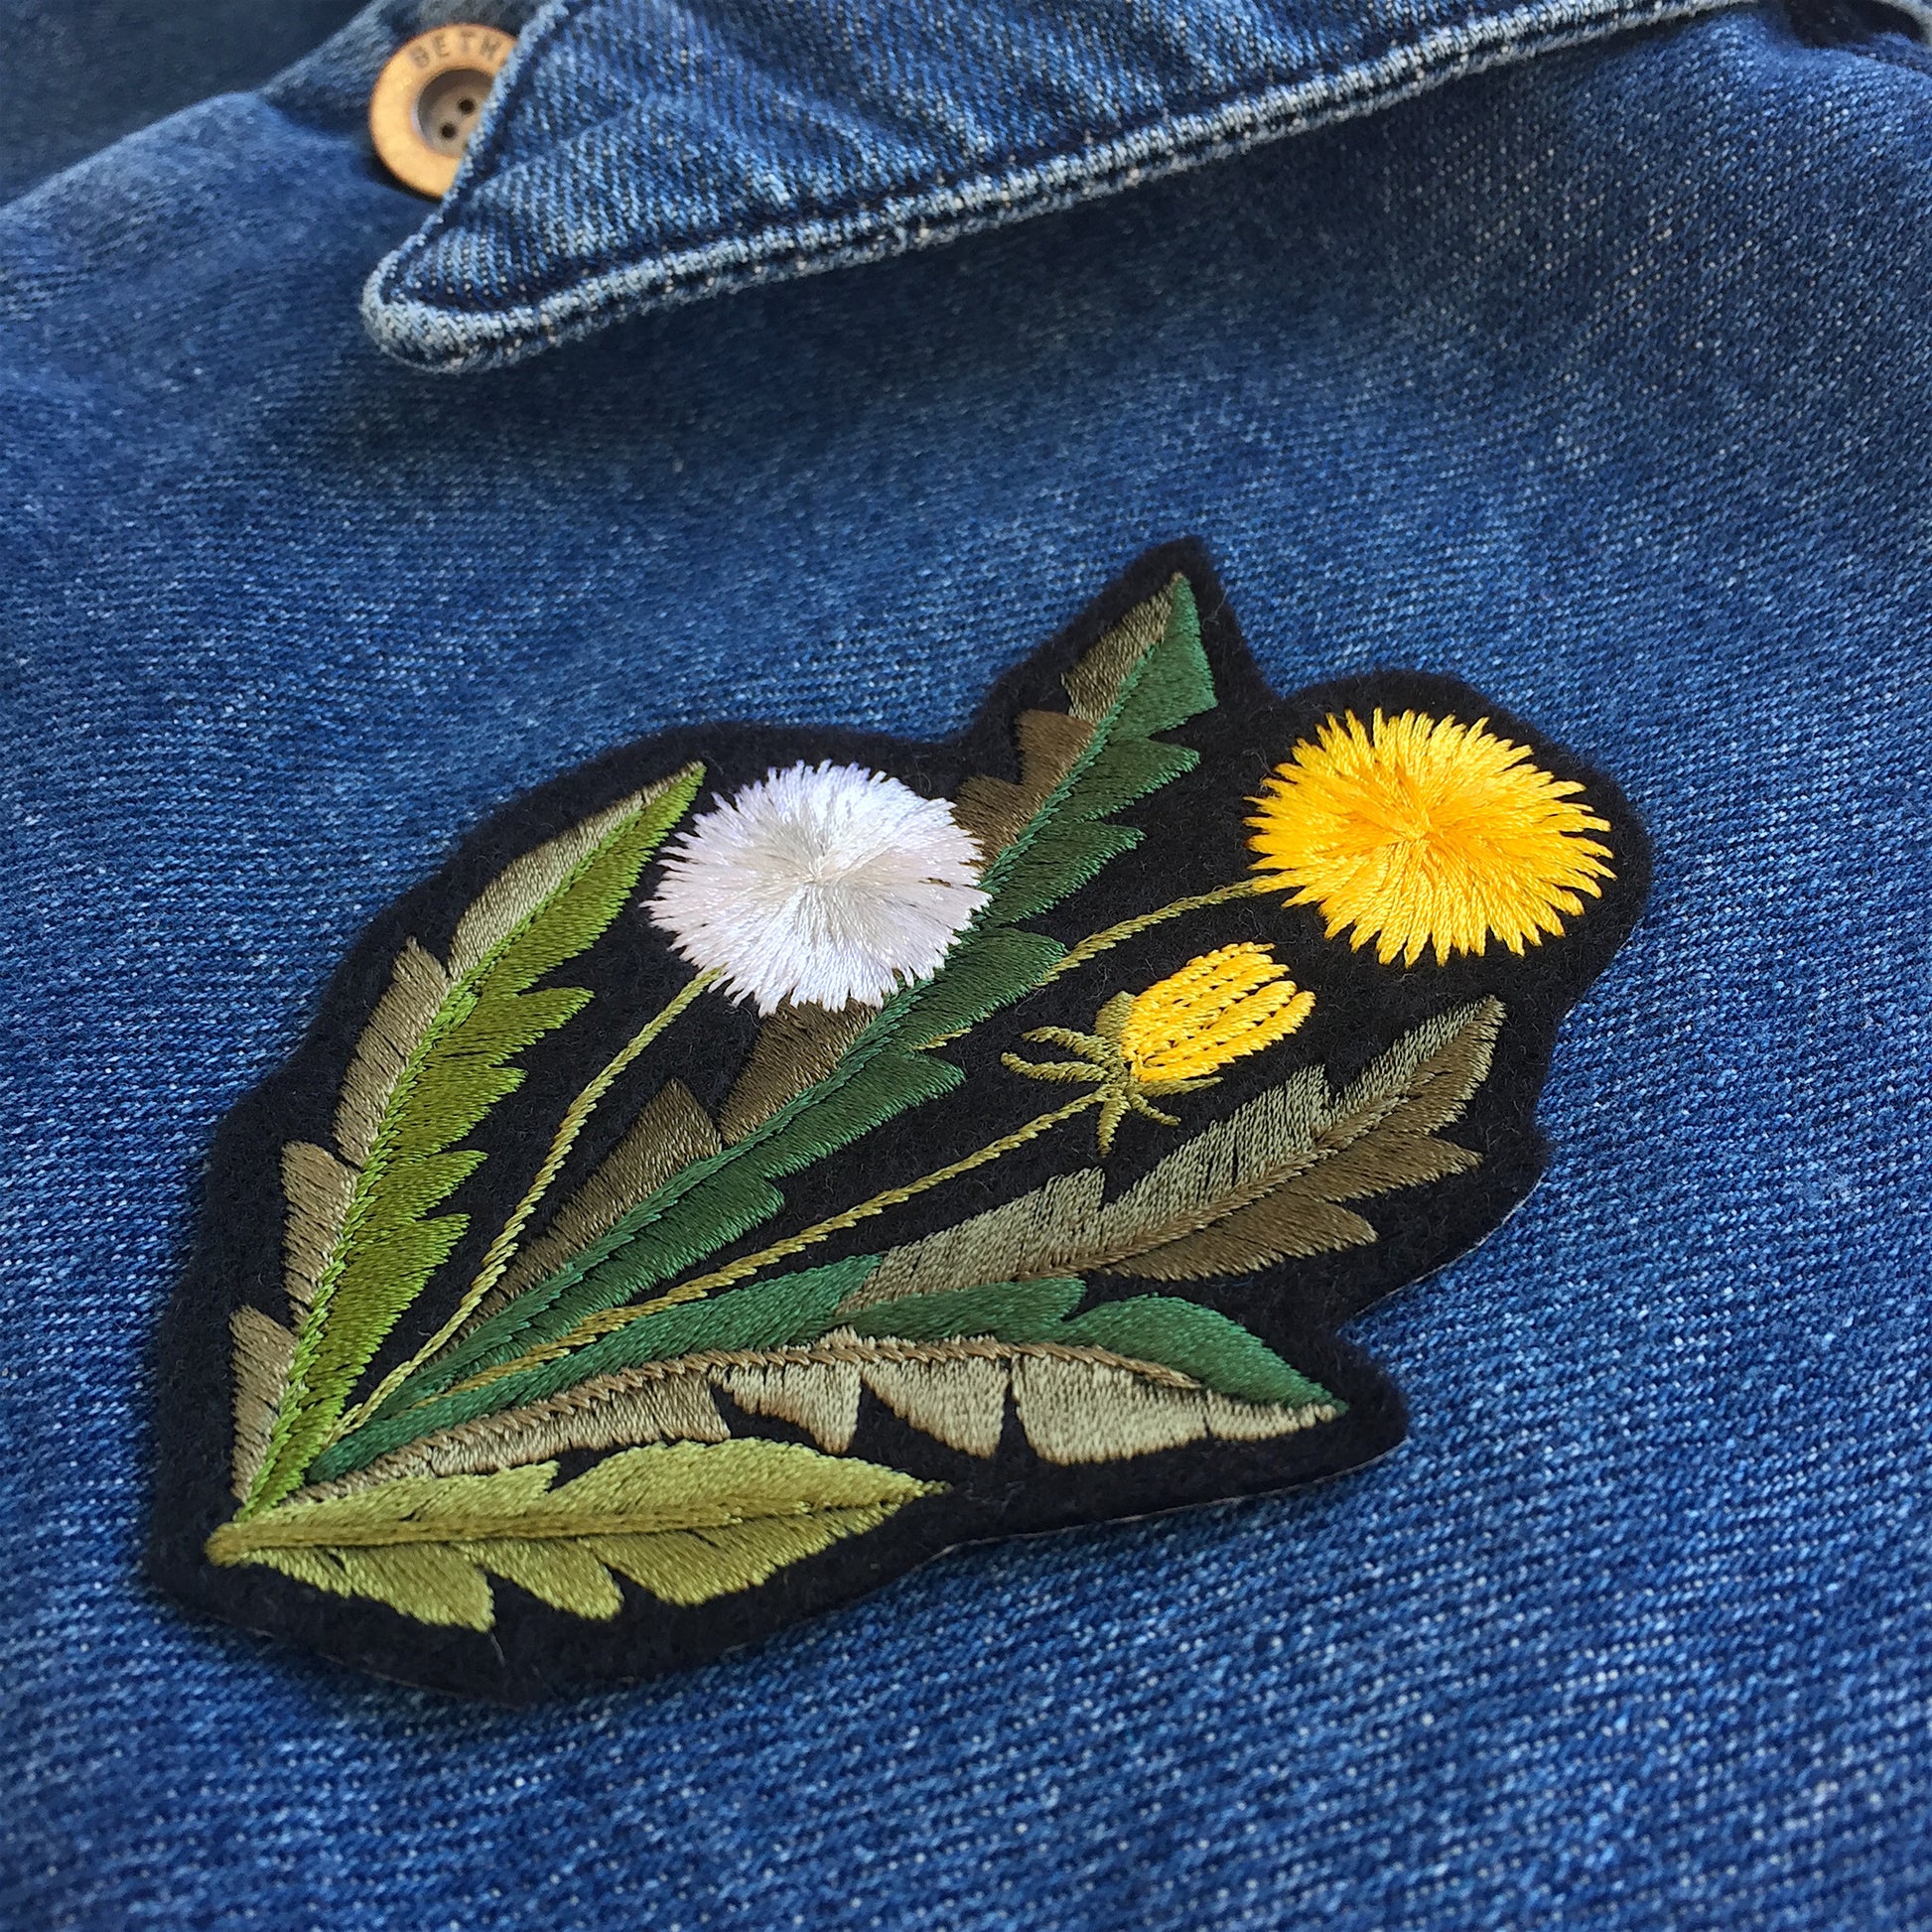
<point>1600,378</point>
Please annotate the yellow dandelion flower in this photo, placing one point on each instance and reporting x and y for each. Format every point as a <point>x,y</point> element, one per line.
<point>1420,832</point>
<point>1177,1037</point>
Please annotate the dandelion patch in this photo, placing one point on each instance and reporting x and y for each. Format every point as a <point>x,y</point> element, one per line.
<point>764,1158</point>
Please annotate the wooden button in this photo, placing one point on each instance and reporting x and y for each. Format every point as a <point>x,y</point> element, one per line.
<point>428,98</point>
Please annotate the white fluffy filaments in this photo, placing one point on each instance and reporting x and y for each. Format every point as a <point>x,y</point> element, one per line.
<point>820,883</point>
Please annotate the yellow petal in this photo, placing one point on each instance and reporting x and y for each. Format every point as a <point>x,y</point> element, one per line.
<point>1217,1008</point>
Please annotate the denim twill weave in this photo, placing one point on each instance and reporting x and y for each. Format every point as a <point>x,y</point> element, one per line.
<point>1601,380</point>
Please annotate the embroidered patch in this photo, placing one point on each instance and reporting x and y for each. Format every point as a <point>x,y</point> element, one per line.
<point>766,1157</point>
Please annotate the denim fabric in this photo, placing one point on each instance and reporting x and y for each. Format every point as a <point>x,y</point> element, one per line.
<point>1602,381</point>
<point>83,72</point>
<point>648,151</point>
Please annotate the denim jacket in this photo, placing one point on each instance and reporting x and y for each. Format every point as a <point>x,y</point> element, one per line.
<point>811,362</point>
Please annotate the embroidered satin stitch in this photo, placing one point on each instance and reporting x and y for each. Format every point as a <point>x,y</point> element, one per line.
<point>1420,832</point>
<point>1176,1036</point>
<point>768,1158</point>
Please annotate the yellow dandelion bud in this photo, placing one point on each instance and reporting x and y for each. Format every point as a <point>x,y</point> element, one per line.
<point>1217,1008</point>
<point>1176,1036</point>
<point>1420,832</point>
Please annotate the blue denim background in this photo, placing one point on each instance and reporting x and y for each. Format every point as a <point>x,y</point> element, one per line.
<point>82,73</point>
<point>1601,381</point>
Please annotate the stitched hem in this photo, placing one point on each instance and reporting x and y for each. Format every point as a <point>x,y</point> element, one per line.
<point>440,336</point>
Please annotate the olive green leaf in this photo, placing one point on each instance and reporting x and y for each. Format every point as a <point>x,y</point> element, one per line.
<point>1263,1185</point>
<point>685,1521</point>
<point>1075,1402</point>
<point>1266,1183</point>
<point>434,1057</point>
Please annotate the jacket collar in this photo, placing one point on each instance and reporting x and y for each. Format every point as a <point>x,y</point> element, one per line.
<point>643,153</point>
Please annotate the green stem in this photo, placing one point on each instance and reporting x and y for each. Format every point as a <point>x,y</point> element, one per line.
<point>749,1265</point>
<point>1113,935</point>
<point>502,1250</point>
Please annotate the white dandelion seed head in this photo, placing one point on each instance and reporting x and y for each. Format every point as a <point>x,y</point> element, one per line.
<point>823,883</point>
